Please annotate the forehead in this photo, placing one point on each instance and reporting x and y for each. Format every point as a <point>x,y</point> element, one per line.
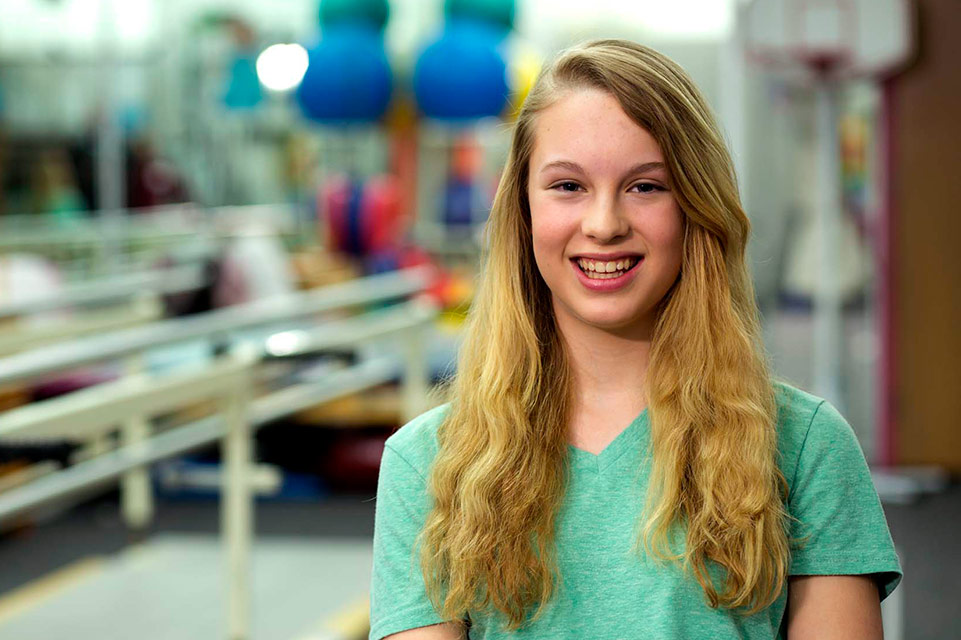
<point>589,127</point>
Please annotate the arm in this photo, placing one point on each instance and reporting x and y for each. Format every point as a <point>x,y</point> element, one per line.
<point>399,605</point>
<point>444,631</point>
<point>846,548</point>
<point>833,607</point>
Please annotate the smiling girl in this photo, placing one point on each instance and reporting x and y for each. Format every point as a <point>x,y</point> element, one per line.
<point>616,459</point>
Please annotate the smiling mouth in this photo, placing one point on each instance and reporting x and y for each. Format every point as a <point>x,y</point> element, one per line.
<point>597,270</point>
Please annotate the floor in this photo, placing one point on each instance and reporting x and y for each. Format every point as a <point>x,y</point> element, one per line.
<point>172,586</point>
<point>301,539</point>
<point>78,556</point>
<point>80,576</point>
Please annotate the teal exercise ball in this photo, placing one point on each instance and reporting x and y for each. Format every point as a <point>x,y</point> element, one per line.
<point>496,12</point>
<point>370,12</point>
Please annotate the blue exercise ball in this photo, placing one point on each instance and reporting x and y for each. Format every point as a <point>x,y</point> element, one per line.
<point>348,78</point>
<point>462,75</point>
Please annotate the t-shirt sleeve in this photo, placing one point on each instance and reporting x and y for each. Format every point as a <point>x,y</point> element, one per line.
<point>398,599</point>
<point>838,507</point>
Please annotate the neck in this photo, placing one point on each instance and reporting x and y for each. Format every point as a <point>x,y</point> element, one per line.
<point>608,367</point>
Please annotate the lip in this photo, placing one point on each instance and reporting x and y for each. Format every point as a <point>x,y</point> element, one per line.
<point>606,257</point>
<point>607,284</point>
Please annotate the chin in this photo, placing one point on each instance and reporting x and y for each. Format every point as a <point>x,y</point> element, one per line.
<point>611,321</point>
<point>601,314</point>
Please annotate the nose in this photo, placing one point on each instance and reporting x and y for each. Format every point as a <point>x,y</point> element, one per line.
<point>603,221</point>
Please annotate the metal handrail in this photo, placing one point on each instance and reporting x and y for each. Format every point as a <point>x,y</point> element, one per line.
<point>84,351</point>
<point>128,401</point>
<point>106,290</point>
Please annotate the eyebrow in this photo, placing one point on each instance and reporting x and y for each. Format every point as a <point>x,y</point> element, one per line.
<point>573,166</point>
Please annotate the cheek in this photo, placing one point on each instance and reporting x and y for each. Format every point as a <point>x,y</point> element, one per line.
<point>549,232</point>
<point>666,230</point>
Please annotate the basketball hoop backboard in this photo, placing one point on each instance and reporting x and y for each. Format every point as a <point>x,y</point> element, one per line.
<point>836,38</point>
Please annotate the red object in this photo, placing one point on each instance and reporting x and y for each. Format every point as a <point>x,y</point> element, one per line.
<point>334,210</point>
<point>438,290</point>
<point>353,461</point>
<point>380,214</point>
<point>362,218</point>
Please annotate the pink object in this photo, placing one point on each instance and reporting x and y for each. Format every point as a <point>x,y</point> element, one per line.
<point>68,383</point>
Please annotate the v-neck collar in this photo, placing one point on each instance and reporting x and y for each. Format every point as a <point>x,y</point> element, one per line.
<point>581,459</point>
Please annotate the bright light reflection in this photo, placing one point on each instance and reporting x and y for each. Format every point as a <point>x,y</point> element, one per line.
<point>287,342</point>
<point>281,67</point>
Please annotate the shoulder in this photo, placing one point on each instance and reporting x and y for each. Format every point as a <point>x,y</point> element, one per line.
<point>796,408</point>
<point>814,439</point>
<point>800,413</point>
<point>416,441</point>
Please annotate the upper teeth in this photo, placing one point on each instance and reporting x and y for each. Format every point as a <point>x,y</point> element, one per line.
<point>606,267</point>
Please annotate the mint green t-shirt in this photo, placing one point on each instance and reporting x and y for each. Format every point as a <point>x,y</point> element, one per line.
<point>606,591</point>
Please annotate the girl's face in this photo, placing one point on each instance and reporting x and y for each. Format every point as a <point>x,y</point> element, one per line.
<point>607,230</point>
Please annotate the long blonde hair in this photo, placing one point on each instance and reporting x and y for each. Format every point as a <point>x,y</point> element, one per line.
<point>501,471</point>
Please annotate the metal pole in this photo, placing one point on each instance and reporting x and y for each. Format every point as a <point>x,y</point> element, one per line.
<point>136,496</point>
<point>111,170</point>
<point>237,510</point>
<point>416,374</point>
<point>827,296</point>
